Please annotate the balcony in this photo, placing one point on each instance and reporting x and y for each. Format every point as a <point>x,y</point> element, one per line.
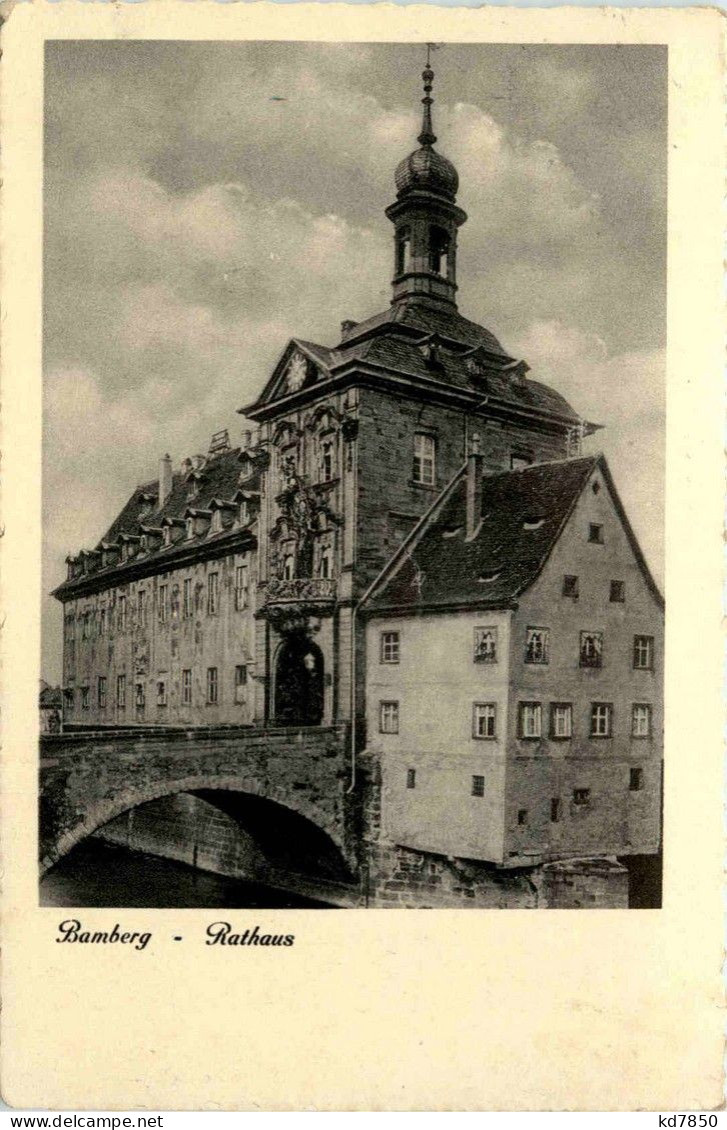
<point>291,602</point>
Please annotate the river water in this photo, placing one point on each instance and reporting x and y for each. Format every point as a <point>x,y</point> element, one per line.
<point>100,874</point>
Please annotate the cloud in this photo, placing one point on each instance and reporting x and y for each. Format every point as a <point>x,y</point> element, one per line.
<point>624,392</point>
<point>193,225</point>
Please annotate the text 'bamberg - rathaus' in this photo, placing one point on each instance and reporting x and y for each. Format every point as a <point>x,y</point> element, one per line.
<point>400,648</point>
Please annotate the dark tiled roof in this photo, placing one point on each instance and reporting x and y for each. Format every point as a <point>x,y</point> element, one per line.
<point>391,341</point>
<point>429,318</point>
<point>219,480</point>
<point>523,513</point>
<point>392,351</point>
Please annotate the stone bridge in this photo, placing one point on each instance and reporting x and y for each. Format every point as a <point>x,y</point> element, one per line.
<point>290,780</point>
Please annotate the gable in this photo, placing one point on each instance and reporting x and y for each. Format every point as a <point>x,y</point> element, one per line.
<point>301,365</point>
<point>616,557</point>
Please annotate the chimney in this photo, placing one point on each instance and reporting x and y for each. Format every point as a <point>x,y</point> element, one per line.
<point>475,464</point>
<point>165,479</point>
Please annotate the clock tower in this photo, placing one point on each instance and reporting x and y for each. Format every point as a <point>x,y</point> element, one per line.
<point>358,440</point>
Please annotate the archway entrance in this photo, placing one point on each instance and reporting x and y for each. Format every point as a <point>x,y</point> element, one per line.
<point>299,683</point>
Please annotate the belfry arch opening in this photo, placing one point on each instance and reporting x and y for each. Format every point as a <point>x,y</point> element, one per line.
<point>438,250</point>
<point>299,672</point>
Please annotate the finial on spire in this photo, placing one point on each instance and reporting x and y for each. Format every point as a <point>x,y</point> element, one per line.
<point>427,136</point>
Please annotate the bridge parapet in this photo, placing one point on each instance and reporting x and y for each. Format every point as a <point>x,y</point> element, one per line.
<point>88,778</point>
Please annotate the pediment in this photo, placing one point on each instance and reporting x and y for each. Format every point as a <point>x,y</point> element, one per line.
<point>297,368</point>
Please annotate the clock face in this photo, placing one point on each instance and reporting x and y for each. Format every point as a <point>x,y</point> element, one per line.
<point>297,372</point>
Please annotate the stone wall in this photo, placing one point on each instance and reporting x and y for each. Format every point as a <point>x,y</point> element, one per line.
<point>89,779</point>
<point>394,876</point>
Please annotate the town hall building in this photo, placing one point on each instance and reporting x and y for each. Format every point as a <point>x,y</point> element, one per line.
<point>411,542</point>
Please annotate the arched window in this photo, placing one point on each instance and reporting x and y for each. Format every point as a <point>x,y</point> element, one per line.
<point>438,250</point>
<point>289,567</point>
<point>403,251</point>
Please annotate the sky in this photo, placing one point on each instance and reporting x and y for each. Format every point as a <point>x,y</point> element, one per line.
<point>205,202</point>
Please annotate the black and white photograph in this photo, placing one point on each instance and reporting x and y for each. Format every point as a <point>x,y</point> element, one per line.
<point>353,475</point>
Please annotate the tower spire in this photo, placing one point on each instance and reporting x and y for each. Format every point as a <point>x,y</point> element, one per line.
<point>425,216</point>
<point>427,136</point>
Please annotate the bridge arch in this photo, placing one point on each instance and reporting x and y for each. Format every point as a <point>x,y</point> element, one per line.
<point>104,809</point>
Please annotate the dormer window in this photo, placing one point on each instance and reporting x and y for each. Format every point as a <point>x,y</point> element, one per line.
<point>244,512</point>
<point>189,531</point>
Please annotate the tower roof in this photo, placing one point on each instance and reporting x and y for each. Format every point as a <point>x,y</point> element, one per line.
<point>425,169</point>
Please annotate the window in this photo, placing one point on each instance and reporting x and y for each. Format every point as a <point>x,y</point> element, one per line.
<point>102,622</point>
<point>389,647</point>
<point>186,686</point>
<point>411,778</point>
<point>101,692</point>
<point>187,607</point>
<point>326,464</point>
<point>561,720</point>
<point>591,654</point>
<point>241,587</point>
<point>240,682</point>
<point>641,720</point>
<point>68,692</point>
<point>85,698</point>
<point>536,645</point>
<point>211,686</point>
<point>618,592</point>
<point>485,645</point>
<point>288,567</point>
<point>531,720</point>
<point>325,567</point>
<point>140,696</point>
<point>121,692</point>
<point>570,587</point>
<point>601,719</point>
<point>522,816</point>
<point>121,613</point>
<point>424,452</point>
<point>162,604</point>
<point>636,780</point>
<point>85,626</point>
<point>141,608</point>
<point>644,653</point>
<point>161,692</point>
<point>581,797</point>
<point>595,533</point>
<point>389,717</point>
<point>555,810</point>
<point>483,720</point>
<point>213,594</point>
<point>478,786</point>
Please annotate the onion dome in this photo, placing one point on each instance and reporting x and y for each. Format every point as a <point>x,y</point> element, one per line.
<point>429,170</point>
<point>425,169</point>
